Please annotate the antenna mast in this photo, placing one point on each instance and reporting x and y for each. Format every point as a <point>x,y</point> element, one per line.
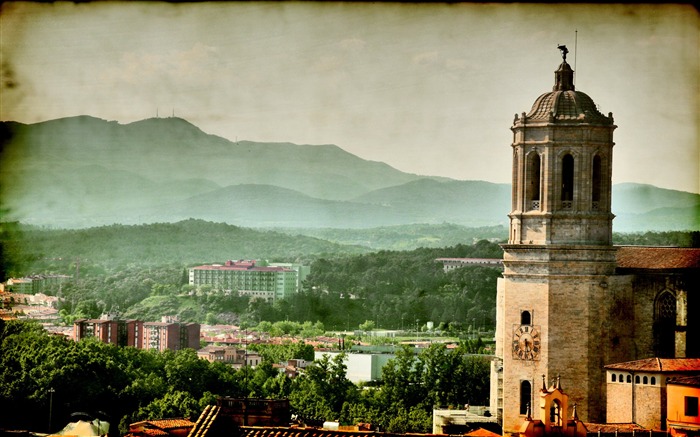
<point>575,51</point>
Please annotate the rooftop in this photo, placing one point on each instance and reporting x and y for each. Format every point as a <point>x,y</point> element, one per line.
<point>693,381</point>
<point>659,365</point>
<point>657,258</point>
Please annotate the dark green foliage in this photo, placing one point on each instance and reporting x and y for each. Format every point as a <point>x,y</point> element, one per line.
<point>89,376</point>
<point>671,238</point>
<point>281,353</point>
<point>130,384</point>
<point>187,242</point>
<point>396,290</point>
<point>404,237</point>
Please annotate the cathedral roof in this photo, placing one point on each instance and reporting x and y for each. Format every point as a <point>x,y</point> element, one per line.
<point>659,365</point>
<point>657,258</point>
<point>564,103</point>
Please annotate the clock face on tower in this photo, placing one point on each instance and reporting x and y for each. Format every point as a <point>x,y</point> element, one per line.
<point>526,342</point>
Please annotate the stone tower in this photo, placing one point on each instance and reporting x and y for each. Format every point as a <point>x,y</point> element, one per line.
<point>559,257</point>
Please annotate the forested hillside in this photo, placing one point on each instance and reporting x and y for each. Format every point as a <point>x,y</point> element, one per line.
<point>141,272</point>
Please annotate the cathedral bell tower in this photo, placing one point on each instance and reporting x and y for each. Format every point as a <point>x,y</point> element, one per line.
<point>559,255</point>
<point>562,166</point>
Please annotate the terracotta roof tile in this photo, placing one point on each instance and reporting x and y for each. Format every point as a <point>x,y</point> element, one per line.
<point>481,432</point>
<point>153,432</point>
<point>693,381</point>
<point>659,365</point>
<point>171,423</point>
<point>611,427</point>
<point>657,258</point>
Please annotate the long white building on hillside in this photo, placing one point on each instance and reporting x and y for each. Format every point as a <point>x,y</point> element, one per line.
<point>249,278</point>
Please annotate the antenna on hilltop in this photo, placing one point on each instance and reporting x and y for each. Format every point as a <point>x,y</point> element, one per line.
<point>173,112</point>
<point>575,47</point>
<point>156,112</point>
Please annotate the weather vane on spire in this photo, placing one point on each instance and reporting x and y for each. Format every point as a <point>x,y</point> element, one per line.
<point>563,50</point>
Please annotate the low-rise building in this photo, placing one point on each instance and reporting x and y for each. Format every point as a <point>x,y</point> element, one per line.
<point>361,367</point>
<point>456,263</point>
<point>637,390</point>
<point>36,283</point>
<point>682,415</point>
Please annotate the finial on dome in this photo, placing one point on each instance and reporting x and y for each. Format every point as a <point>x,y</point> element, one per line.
<point>563,50</point>
<point>564,76</point>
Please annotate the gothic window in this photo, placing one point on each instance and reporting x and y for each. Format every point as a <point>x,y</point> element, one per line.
<point>595,183</point>
<point>614,377</point>
<point>532,194</point>
<point>525,318</point>
<point>629,378</point>
<point>636,379</point>
<point>653,380</point>
<point>525,396</point>
<point>664,328</point>
<point>645,380</point>
<point>622,378</point>
<point>567,181</point>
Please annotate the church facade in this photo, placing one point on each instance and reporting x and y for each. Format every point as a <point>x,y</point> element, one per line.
<point>570,302</point>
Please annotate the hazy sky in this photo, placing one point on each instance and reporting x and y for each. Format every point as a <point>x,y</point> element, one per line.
<point>427,88</point>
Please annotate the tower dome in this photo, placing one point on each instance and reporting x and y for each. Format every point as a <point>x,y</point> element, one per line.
<point>564,103</point>
<point>562,167</point>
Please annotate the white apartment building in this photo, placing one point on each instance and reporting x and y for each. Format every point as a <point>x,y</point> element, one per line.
<point>247,278</point>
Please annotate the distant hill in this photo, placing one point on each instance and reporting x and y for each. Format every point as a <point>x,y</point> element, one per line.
<point>186,242</point>
<point>642,207</point>
<point>81,172</point>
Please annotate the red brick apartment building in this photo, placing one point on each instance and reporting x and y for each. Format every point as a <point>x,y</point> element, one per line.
<point>142,335</point>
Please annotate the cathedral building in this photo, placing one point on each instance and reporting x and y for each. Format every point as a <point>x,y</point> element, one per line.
<point>569,302</point>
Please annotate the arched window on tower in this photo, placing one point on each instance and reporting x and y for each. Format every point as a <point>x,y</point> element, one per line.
<point>532,175</point>
<point>567,181</point>
<point>525,396</point>
<point>525,318</point>
<point>595,183</point>
<point>664,330</point>
<point>555,413</point>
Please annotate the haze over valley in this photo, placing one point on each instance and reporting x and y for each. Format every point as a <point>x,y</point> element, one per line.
<point>82,171</point>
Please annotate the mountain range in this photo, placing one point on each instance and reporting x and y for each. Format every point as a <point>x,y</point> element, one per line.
<point>83,171</point>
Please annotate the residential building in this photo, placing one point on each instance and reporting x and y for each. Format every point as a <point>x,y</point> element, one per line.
<point>167,334</point>
<point>170,335</point>
<point>222,354</point>
<point>111,331</point>
<point>236,357</point>
<point>36,283</point>
<point>250,278</point>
